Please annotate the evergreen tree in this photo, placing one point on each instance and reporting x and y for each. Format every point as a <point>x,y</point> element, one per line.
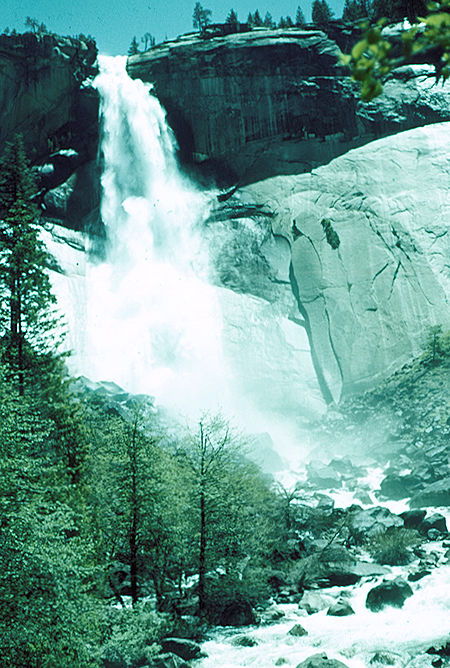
<point>232,18</point>
<point>257,20</point>
<point>321,13</point>
<point>134,47</point>
<point>250,20</point>
<point>300,17</point>
<point>268,21</point>
<point>27,314</point>
<point>282,22</point>
<point>355,10</point>
<point>289,22</point>
<point>201,17</point>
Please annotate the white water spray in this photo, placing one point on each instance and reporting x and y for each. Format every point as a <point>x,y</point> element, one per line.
<point>151,320</point>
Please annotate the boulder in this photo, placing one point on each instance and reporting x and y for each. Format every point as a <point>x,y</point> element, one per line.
<point>395,486</point>
<point>238,612</point>
<point>321,661</point>
<point>313,601</point>
<point>341,608</point>
<point>244,641</point>
<point>368,523</point>
<point>389,593</point>
<point>298,631</point>
<point>413,518</point>
<point>323,476</point>
<point>435,494</point>
<point>435,521</point>
<point>186,649</point>
<point>167,660</point>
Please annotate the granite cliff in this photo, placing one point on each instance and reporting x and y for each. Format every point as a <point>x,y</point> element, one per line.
<point>45,95</point>
<point>267,102</point>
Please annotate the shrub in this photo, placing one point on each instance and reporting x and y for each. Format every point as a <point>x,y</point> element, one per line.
<point>394,546</point>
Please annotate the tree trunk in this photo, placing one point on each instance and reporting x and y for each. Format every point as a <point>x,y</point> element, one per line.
<point>202,553</point>
<point>133,542</point>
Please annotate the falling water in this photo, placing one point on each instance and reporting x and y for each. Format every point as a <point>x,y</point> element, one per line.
<point>151,321</point>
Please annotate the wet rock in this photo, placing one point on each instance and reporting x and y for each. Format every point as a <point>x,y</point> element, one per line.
<point>389,593</point>
<point>434,521</point>
<point>298,631</point>
<point>323,476</point>
<point>413,518</point>
<point>365,569</point>
<point>321,661</point>
<point>237,613</point>
<point>244,641</point>
<point>383,658</point>
<point>313,602</point>
<point>433,534</point>
<point>368,523</point>
<point>341,608</point>
<point>418,575</point>
<point>186,649</point>
<point>435,494</point>
<point>399,486</point>
<point>167,660</point>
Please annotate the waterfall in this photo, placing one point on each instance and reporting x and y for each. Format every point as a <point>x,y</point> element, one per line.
<point>148,315</point>
<point>151,321</point>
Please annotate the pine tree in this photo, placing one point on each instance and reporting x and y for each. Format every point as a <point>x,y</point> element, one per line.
<point>200,17</point>
<point>27,315</point>
<point>134,47</point>
<point>300,17</point>
<point>232,18</point>
<point>321,13</point>
<point>268,21</point>
<point>257,20</point>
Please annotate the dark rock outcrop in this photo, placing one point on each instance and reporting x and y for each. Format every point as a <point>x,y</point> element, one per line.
<point>389,593</point>
<point>185,649</point>
<point>45,95</point>
<point>269,102</point>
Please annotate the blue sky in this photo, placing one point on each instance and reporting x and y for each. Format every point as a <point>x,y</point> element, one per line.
<point>114,23</point>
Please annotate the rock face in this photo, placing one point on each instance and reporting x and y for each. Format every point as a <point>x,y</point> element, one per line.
<point>44,95</point>
<point>272,102</point>
<point>370,247</point>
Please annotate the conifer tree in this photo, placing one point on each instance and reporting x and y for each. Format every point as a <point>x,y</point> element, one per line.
<point>321,12</point>
<point>257,20</point>
<point>300,17</point>
<point>232,18</point>
<point>268,21</point>
<point>27,315</point>
<point>134,47</point>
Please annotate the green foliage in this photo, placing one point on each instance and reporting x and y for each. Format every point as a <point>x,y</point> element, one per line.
<point>355,10</point>
<point>35,26</point>
<point>134,47</point>
<point>232,18</point>
<point>437,346</point>
<point>148,41</point>
<point>201,17</point>
<point>27,313</point>
<point>268,21</point>
<point>321,12</point>
<point>132,635</point>
<point>373,57</point>
<point>393,546</point>
<point>300,17</point>
<point>256,20</point>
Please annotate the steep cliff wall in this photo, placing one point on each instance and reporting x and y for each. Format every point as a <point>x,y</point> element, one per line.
<point>45,97</point>
<point>370,294</point>
<point>272,102</point>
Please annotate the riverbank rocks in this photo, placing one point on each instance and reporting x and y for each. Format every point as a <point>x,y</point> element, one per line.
<point>435,494</point>
<point>322,476</point>
<point>413,518</point>
<point>167,660</point>
<point>341,608</point>
<point>185,649</point>
<point>372,521</point>
<point>238,612</point>
<point>436,521</point>
<point>244,641</point>
<point>321,661</point>
<point>389,593</point>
